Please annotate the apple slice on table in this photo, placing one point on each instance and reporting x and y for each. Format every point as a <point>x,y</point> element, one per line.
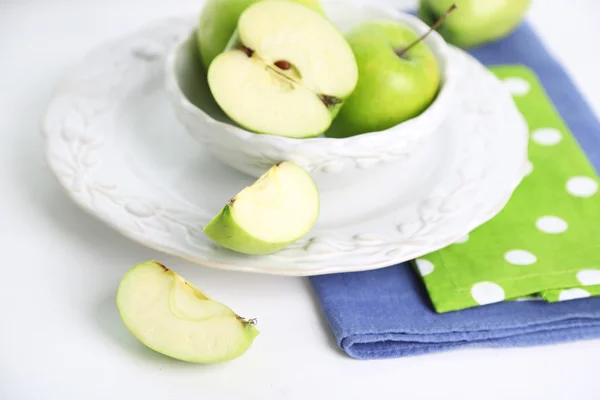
<point>171,316</point>
<point>218,21</point>
<point>278,209</point>
<point>286,72</point>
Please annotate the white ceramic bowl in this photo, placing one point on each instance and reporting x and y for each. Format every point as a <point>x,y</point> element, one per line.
<point>332,162</point>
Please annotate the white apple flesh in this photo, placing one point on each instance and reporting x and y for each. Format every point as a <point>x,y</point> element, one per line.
<point>171,316</point>
<point>286,72</point>
<point>278,209</point>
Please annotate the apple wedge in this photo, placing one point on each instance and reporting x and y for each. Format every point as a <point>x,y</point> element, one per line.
<point>286,71</point>
<point>171,316</point>
<point>278,209</point>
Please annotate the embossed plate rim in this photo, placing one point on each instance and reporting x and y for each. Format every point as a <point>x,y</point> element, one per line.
<point>145,46</point>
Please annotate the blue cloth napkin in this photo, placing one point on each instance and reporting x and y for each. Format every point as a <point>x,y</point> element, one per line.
<point>387,313</point>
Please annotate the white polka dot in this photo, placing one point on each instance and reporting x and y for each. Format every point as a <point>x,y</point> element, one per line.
<point>550,224</point>
<point>546,136</point>
<point>425,266</point>
<point>463,239</point>
<point>487,293</point>
<point>570,294</point>
<point>517,86</point>
<point>520,257</point>
<point>588,277</point>
<point>582,186</point>
<point>528,168</point>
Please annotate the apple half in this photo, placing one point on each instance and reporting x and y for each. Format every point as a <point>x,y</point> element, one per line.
<point>286,71</point>
<point>173,317</point>
<point>218,21</point>
<point>278,209</point>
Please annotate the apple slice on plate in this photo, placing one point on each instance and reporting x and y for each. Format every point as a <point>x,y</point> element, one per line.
<point>286,72</point>
<point>173,317</point>
<point>278,209</point>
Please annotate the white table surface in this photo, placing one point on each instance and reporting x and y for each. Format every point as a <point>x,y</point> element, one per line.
<point>60,334</point>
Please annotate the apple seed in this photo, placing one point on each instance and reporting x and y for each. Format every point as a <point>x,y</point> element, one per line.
<point>247,51</point>
<point>282,64</point>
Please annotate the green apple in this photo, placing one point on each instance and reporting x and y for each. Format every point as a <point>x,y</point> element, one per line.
<point>218,20</point>
<point>278,209</point>
<point>399,78</point>
<point>286,72</point>
<point>171,316</point>
<point>475,22</point>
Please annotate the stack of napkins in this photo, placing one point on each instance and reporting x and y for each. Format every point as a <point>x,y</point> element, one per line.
<point>542,246</point>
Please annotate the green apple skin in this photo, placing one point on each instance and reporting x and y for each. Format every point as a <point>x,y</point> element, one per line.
<point>218,21</point>
<point>224,230</point>
<point>391,89</point>
<point>291,217</point>
<point>474,22</point>
<point>195,333</point>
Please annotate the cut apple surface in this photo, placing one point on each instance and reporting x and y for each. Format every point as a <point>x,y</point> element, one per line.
<point>286,72</point>
<point>278,209</point>
<point>173,317</point>
<point>218,21</point>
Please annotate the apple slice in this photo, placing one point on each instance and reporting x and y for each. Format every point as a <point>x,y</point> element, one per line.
<point>171,316</point>
<point>286,72</point>
<point>278,209</point>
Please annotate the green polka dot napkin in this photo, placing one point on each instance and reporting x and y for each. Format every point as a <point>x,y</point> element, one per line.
<point>546,242</point>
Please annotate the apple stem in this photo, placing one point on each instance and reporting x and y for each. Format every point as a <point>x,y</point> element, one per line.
<point>165,268</point>
<point>453,7</point>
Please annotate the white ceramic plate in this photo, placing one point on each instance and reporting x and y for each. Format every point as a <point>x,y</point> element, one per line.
<point>116,147</point>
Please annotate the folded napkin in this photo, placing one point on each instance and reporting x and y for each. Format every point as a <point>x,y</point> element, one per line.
<point>544,241</point>
<point>387,313</point>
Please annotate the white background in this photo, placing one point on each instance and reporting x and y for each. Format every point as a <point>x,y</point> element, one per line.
<point>60,333</point>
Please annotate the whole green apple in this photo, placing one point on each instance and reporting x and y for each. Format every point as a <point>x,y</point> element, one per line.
<point>218,21</point>
<point>398,79</point>
<point>475,22</point>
